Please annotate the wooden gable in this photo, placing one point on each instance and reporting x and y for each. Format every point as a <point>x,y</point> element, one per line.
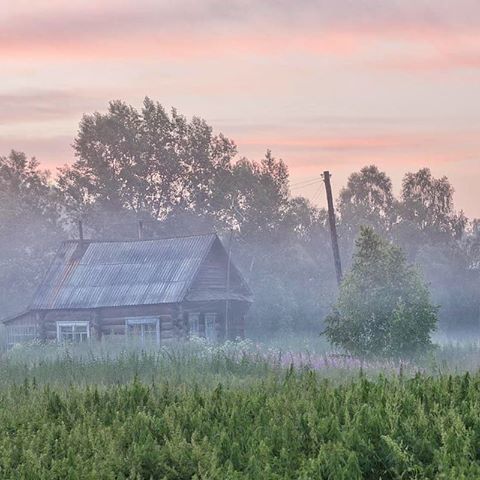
<point>216,281</point>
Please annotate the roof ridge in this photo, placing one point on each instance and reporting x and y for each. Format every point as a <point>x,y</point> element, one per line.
<point>136,240</point>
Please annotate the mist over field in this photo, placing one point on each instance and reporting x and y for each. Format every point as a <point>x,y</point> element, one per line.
<point>181,177</point>
<point>239,240</point>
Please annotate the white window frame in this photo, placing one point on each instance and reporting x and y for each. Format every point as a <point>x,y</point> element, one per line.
<point>18,334</point>
<point>73,324</point>
<point>132,321</point>
<point>194,332</point>
<point>211,333</point>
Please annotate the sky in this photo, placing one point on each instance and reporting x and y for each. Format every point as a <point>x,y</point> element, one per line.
<point>325,84</point>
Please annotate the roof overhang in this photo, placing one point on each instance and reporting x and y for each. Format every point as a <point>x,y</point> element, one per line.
<point>12,318</point>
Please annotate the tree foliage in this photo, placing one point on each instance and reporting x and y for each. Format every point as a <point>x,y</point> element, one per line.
<point>367,200</point>
<point>179,177</point>
<point>145,161</point>
<point>427,202</point>
<point>425,224</point>
<point>29,228</point>
<point>384,306</point>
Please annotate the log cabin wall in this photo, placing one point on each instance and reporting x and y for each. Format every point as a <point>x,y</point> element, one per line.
<point>28,318</point>
<point>106,322</point>
<point>109,321</point>
<point>112,320</point>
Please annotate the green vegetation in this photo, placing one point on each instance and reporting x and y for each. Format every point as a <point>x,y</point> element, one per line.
<point>384,306</point>
<point>235,411</point>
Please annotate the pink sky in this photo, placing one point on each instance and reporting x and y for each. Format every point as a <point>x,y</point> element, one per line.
<point>326,84</point>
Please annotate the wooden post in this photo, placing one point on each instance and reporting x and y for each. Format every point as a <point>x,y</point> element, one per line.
<point>140,229</point>
<point>96,325</point>
<point>227,288</point>
<point>333,227</point>
<point>40,322</point>
<point>179,327</point>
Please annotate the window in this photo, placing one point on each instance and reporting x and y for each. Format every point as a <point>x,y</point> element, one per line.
<point>203,325</point>
<point>194,324</point>
<point>211,327</point>
<point>71,332</point>
<point>21,334</point>
<point>146,329</point>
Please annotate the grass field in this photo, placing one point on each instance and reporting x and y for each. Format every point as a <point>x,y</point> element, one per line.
<point>236,411</point>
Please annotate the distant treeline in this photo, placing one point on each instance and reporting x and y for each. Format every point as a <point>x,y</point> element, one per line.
<point>178,177</point>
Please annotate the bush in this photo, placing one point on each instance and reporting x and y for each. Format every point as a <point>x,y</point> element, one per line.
<point>294,427</point>
<point>384,306</point>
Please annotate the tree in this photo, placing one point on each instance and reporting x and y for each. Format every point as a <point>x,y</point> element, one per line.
<point>427,211</point>
<point>30,228</point>
<point>147,162</point>
<point>181,178</point>
<point>384,305</point>
<point>367,200</point>
<point>432,235</point>
<point>257,196</point>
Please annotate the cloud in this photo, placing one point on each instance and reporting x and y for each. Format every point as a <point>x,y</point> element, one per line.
<point>158,29</point>
<point>304,153</point>
<point>159,44</point>
<point>51,152</point>
<point>84,17</point>
<point>34,105</point>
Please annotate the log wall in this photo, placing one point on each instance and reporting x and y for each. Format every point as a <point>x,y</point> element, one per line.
<point>111,321</point>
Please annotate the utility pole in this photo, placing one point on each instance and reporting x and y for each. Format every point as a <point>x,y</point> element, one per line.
<point>227,287</point>
<point>333,227</point>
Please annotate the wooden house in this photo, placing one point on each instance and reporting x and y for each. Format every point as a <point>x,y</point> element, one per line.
<point>157,290</point>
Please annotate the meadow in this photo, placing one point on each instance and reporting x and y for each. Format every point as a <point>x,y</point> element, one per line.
<point>236,411</point>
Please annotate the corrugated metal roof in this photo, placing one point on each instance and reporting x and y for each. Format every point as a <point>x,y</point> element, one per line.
<point>112,274</point>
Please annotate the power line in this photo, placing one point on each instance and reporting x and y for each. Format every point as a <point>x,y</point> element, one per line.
<point>306,180</point>
<point>316,195</point>
<point>311,183</point>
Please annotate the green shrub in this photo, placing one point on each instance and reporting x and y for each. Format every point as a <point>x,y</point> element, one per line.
<point>384,305</point>
<point>217,412</point>
<point>296,426</point>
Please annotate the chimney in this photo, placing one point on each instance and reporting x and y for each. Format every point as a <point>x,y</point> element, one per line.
<point>80,234</point>
<point>140,229</point>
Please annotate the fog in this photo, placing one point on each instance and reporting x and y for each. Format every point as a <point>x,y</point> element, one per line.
<point>138,169</point>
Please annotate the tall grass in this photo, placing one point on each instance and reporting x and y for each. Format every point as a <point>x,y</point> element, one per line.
<point>114,363</point>
<point>236,411</point>
<point>197,362</point>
